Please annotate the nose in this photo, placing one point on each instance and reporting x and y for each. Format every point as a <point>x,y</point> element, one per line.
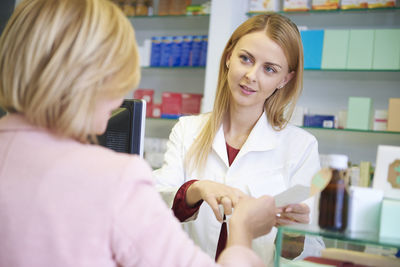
<point>251,73</point>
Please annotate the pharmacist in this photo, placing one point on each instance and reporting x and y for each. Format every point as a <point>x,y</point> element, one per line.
<point>245,146</point>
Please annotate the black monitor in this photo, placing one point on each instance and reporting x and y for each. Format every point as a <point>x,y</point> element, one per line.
<point>125,129</point>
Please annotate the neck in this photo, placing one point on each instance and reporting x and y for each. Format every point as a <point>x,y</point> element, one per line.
<point>238,124</point>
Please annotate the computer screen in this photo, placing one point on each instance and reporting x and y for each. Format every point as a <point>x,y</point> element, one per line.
<point>126,127</point>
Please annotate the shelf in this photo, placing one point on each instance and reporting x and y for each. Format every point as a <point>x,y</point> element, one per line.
<point>307,128</point>
<point>335,11</point>
<point>351,70</point>
<point>163,68</point>
<point>353,237</point>
<point>168,16</point>
<point>349,130</point>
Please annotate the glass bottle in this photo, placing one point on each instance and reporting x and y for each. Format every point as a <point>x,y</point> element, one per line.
<point>333,202</point>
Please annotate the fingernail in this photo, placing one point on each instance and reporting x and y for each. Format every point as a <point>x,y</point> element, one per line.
<point>288,210</point>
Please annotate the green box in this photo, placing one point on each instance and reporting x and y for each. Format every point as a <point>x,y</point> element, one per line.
<point>361,48</point>
<point>386,50</point>
<point>335,50</point>
<point>390,217</point>
<point>359,113</point>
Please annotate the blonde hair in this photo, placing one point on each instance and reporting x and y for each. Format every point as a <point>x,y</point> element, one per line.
<point>58,56</point>
<point>279,106</point>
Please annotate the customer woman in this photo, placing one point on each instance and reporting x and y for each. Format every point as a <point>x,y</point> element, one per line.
<point>245,146</point>
<point>64,66</point>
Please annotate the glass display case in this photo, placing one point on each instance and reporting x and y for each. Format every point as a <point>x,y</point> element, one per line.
<point>334,248</point>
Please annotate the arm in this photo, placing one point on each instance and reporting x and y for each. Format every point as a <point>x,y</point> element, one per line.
<point>145,233</point>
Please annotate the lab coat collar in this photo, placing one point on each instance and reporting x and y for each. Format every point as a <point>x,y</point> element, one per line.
<point>261,138</point>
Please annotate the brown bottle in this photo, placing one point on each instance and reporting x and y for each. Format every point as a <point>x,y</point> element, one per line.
<point>333,202</point>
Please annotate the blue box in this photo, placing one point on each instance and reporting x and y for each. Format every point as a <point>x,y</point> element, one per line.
<point>155,51</point>
<point>321,121</point>
<point>176,50</point>
<point>166,45</point>
<point>186,50</point>
<point>196,50</point>
<point>204,45</point>
<point>313,41</point>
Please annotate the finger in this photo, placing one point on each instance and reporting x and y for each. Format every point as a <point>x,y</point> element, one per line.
<point>297,208</point>
<point>280,221</point>
<point>235,196</point>
<point>227,204</point>
<point>296,217</point>
<point>212,202</point>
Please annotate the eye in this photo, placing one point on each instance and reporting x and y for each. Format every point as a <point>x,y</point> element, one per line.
<point>269,69</point>
<point>244,58</point>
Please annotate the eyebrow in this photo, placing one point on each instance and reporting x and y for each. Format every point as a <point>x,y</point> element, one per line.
<point>268,63</point>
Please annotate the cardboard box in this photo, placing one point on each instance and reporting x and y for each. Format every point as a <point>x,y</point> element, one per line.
<point>322,121</point>
<point>148,96</point>
<point>361,46</point>
<point>386,49</point>
<point>325,4</point>
<point>393,118</point>
<point>335,50</point>
<point>359,113</point>
<point>263,5</point>
<point>296,5</point>
<point>312,46</point>
<point>191,103</point>
<point>364,209</point>
<point>171,105</point>
<point>390,216</point>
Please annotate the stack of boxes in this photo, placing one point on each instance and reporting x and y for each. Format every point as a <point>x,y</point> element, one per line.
<point>172,106</point>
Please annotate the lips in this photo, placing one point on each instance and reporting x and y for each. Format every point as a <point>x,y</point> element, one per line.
<point>246,90</point>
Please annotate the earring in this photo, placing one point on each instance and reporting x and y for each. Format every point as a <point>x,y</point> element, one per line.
<point>280,87</point>
<point>227,65</point>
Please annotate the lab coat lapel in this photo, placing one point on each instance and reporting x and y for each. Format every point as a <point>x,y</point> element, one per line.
<point>219,146</point>
<point>262,138</point>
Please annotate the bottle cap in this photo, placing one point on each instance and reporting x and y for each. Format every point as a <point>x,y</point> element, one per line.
<point>338,161</point>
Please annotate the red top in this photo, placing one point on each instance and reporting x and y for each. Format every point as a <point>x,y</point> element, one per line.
<point>182,211</point>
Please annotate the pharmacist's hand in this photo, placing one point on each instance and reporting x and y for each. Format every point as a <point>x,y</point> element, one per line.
<point>293,213</point>
<point>214,194</point>
<point>253,216</point>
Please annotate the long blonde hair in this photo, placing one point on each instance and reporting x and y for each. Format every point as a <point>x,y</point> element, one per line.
<point>279,106</point>
<point>58,56</point>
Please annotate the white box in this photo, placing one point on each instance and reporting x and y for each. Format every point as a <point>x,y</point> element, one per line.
<point>364,209</point>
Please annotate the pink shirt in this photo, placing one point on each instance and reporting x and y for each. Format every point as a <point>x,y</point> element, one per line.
<point>63,203</point>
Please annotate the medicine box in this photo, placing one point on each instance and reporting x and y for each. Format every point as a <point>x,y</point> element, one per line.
<point>155,55</point>
<point>361,46</point>
<point>325,4</point>
<point>335,49</point>
<point>364,209</point>
<point>359,113</point>
<point>148,96</point>
<point>312,47</point>
<point>171,105</point>
<point>263,5</point>
<point>389,219</point>
<point>191,103</point>
<point>386,54</point>
<point>296,5</point>
<point>353,4</point>
<point>322,121</point>
<point>393,119</point>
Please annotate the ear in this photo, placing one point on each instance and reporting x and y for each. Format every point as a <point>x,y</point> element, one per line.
<point>287,79</point>
<point>228,60</point>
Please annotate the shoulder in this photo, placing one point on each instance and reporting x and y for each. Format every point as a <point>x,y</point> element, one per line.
<point>191,124</point>
<point>296,134</point>
<point>105,164</point>
<point>297,138</point>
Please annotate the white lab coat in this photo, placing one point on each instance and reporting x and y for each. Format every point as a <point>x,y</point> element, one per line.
<point>268,163</point>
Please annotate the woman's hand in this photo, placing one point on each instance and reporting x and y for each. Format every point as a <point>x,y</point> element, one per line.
<point>293,213</point>
<point>214,194</point>
<point>252,217</point>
